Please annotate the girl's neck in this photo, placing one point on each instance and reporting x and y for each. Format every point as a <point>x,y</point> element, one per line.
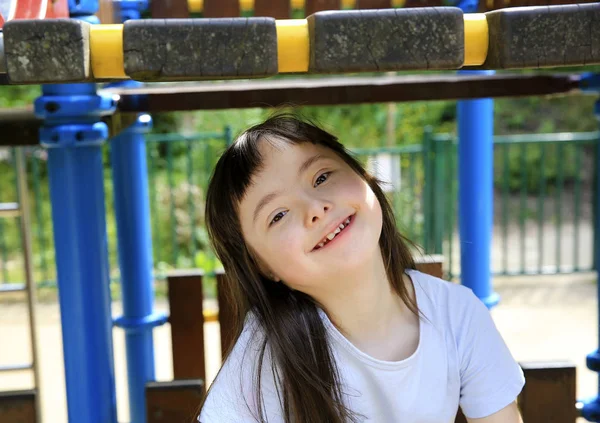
<point>363,306</point>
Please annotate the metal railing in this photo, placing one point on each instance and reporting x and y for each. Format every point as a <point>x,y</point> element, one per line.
<point>543,217</point>
<point>543,203</point>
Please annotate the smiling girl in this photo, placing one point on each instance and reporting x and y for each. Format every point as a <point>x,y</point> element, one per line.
<point>334,323</point>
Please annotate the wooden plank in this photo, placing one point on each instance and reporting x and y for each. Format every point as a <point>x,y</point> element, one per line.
<point>106,12</point>
<point>278,9</point>
<point>187,324</point>
<point>373,4</point>
<point>221,8</point>
<point>18,406</point>
<point>549,394</point>
<point>460,417</point>
<point>169,9</point>
<point>313,6</point>
<point>432,265</point>
<point>333,91</point>
<point>176,401</point>
<point>422,3</point>
<point>226,317</point>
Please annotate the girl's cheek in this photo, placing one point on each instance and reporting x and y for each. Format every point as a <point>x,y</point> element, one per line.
<point>288,242</point>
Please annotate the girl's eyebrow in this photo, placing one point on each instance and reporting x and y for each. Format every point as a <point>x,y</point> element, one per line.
<point>271,196</point>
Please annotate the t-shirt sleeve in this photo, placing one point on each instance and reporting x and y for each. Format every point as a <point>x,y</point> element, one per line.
<point>490,377</point>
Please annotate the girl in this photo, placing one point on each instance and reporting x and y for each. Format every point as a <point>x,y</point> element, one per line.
<point>335,325</point>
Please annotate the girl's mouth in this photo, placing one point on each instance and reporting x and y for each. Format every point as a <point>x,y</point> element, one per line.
<point>331,237</point>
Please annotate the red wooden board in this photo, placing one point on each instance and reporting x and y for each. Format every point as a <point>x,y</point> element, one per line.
<point>32,9</point>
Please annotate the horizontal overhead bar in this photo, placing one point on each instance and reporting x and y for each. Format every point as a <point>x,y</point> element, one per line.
<point>20,127</point>
<point>338,91</point>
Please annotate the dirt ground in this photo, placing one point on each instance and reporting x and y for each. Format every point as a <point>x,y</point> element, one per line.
<point>541,318</point>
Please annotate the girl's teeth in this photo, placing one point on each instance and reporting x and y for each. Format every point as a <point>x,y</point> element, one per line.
<point>330,236</point>
<point>341,226</point>
<point>348,221</point>
<point>337,231</point>
<point>321,245</point>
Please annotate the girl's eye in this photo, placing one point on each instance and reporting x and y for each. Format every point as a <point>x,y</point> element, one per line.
<point>276,219</point>
<point>325,174</point>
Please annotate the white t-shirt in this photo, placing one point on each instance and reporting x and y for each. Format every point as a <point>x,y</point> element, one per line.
<point>461,360</point>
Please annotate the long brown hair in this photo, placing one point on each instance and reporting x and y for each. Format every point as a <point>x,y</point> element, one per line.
<point>306,370</point>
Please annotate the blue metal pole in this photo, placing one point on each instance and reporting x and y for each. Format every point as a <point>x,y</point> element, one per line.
<point>475,162</point>
<point>74,138</point>
<point>591,406</point>
<point>74,135</point>
<point>132,212</point>
<point>475,186</point>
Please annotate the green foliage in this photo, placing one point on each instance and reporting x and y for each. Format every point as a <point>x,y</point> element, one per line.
<point>533,170</point>
<point>18,95</point>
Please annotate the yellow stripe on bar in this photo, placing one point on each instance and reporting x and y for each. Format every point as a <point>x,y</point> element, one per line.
<point>106,50</point>
<point>476,39</point>
<point>293,47</point>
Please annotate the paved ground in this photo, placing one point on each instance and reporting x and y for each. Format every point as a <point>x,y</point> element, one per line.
<point>541,318</point>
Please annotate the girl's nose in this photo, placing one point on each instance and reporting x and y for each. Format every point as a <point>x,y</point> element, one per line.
<point>316,211</point>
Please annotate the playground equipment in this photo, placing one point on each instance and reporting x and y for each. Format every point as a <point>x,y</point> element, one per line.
<point>74,119</point>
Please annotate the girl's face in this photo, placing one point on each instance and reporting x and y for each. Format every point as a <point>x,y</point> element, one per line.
<point>301,195</point>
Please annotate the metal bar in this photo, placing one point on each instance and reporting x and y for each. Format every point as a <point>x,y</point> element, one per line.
<point>577,200</point>
<point>560,185</point>
<point>132,215</point>
<point>505,176</point>
<point>577,137</point>
<point>12,287</point>
<point>398,149</point>
<point>438,196</point>
<point>38,216</point>
<point>9,210</point>
<point>154,210</point>
<point>4,258</point>
<point>522,204</point>
<point>76,181</point>
<point>191,202</point>
<point>591,408</point>
<point>17,368</point>
<point>173,221</point>
<point>540,213</point>
<point>451,208</point>
<point>412,202</point>
<point>427,188</point>
<point>334,91</point>
<point>475,154</point>
<point>30,289</point>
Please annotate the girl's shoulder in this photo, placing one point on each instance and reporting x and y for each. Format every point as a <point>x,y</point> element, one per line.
<point>447,305</point>
<point>232,395</point>
<point>433,292</point>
